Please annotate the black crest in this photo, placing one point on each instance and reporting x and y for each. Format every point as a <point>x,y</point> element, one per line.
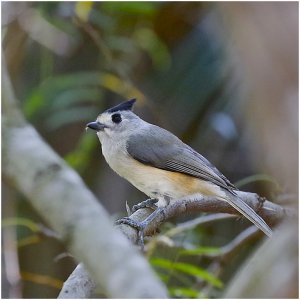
<point>126,105</point>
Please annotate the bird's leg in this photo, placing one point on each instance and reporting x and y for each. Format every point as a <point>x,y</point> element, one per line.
<point>261,201</point>
<point>149,203</point>
<point>140,226</point>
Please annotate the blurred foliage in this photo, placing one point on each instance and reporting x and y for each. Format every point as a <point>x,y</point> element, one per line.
<point>187,269</point>
<point>71,60</point>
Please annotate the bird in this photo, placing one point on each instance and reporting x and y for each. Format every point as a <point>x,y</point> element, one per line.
<point>160,165</point>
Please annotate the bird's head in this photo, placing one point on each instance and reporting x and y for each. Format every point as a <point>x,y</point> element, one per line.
<point>116,121</point>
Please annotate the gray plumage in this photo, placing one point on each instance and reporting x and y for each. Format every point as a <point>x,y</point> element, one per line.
<point>160,164</point>
<point>161,149</point>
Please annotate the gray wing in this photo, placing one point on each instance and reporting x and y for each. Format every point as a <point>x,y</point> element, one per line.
<point>160,148</point>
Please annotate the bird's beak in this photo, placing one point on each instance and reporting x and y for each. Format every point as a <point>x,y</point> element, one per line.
<point>96,126</point>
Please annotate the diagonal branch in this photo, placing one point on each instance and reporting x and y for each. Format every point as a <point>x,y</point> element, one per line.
<point>79,285</point>
<point>62,199</point>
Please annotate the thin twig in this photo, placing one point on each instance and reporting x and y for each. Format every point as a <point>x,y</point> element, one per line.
<point>189,225</point>
<point>270,212</point>
<point>229,250</point>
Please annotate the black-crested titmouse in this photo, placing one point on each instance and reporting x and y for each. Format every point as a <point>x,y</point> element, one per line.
<point>159,164</point>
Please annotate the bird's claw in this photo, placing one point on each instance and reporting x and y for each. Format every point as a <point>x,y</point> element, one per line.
<point>129,213</point>
<point>149,203</point>
<point>261,201</point>
<point>139,226</point>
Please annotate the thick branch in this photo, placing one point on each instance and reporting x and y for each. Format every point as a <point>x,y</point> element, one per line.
<point>63,200</point>
<point>79,285</point>
<point>273,271</point>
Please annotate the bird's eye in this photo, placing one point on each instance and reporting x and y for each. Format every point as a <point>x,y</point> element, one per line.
<point>116,118</point>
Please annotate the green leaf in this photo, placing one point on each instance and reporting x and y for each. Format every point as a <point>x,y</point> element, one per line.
<point>135,8</point>
<point>33,226</point>
<point>200,251</point>
<point>181,292</point>
<point>121,43</point>
<point>164,277</point>
<point>187,269</point>
<point>83,9</point>
<point>70,115</point>
<point>157,50</point>
<point>81,157</point>
<point>70,97</point>
<point>65,90</point>
<point>41,98</point>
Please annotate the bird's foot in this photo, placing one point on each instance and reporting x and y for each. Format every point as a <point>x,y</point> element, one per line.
<point>261,201</point>
<point>139,226</point>
<point>149,203</point>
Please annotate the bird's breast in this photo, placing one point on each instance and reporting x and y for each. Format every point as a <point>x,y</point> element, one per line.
<point>155,182</point>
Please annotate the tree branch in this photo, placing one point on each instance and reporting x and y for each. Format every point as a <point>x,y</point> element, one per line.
<point>270,212</point>
<point>279,256</point>
<point>63,200</point>
<point>79,285</point>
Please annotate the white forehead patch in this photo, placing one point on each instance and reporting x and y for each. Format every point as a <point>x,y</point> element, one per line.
<point>104,118</point>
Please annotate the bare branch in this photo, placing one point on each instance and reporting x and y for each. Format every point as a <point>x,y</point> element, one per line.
<point>79,285</point>
<point>63,200</point>
<point>271,212</point>
<point>189,225</point>
<point>273,271</point>
<point>229,250</point>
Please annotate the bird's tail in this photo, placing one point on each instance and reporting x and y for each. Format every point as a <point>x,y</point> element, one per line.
<point>249,213</point>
